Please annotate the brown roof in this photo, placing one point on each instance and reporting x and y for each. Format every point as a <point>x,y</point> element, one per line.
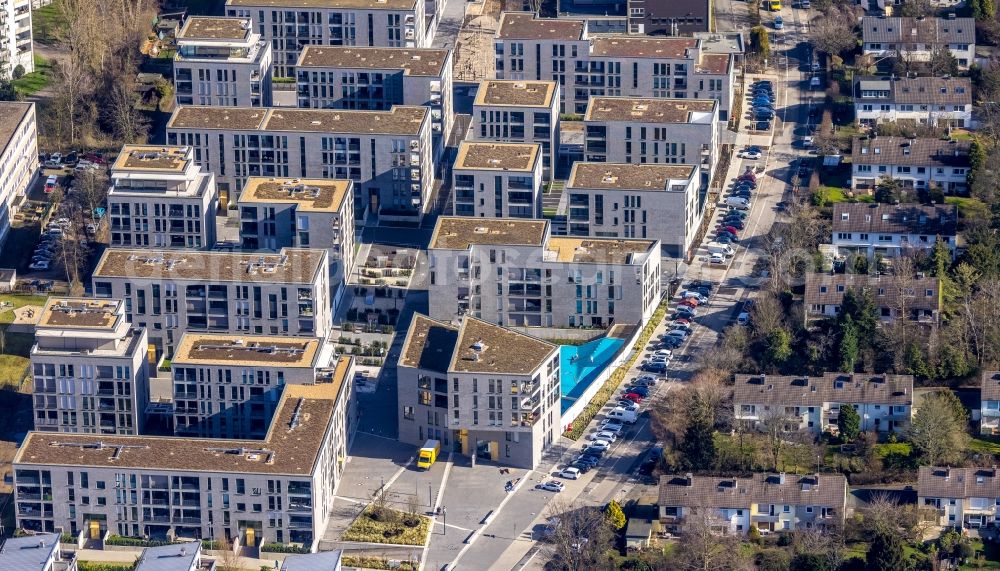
<point>400,120</point>
<point>429,344</point>
<point>153,157</point>
<point>917,90</point>
<point>933,220</point>
<point>487,348</point>
<point>990,385</point>
<point>829,289</point>
<point>206,117</point>
<point>328,4</point>
<point>290,265</point>
<point>945,482</point>
<point>596,250</point>
<point>790,390</point>
<point>516,93</point>
<point>311,194</point>
<point>631,177</point>
<point>523,26</point>
<point>914,152</point>
<point>908,31</point>
<point>261,350</point>
<point>412,61</point>
<point>497,156</point>
<point>648,110</point>
<point>11,115</point>
<point>642,47</point>
<point>459,232</point>
<point>215,28</point>
<point>69,312</point>
<point>826,490</point>
<point>714,64</point>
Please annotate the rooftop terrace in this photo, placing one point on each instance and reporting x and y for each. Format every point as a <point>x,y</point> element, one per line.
<point>311,194</point>
<point>458,233</point>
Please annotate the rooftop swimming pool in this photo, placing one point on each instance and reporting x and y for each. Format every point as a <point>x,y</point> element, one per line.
<point>579,365</point>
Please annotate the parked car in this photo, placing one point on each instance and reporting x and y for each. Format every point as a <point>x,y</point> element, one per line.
<point>612,425</point>
<point>737,202</point>
<point>591,460</point>
<point>628,405</point>
<point>686,311</point>
<point>602,435</point>
<point>599,452</point>
<point>50,183</point>
<point>673,344</point>
<point>748,155</point>
<point>552,486</point>
<point>39,265</point>
<point>779,24</point>
<point>762,125</point>
<point>717,259</point>
<point>570,473</point>
<point>582,467</point>
<point>54,161</point>
<point>634,397</point>
<point>639,390</point>
<point>724,239</point>
<point>689,301</point>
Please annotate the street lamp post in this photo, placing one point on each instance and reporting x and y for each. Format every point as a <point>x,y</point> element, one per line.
<point>444,512</point>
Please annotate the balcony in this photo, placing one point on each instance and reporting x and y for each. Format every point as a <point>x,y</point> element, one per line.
<point>187,520</point>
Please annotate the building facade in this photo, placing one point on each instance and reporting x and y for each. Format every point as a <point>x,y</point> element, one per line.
<point>944,101</point>
<point>170,293</point>
<point>919,164</point>
<point>966,498</point>
<point>989,405</point>
<point>513,273</point>
<point>674,18</point>
<point>519,112</point>
<point>161,198</point>
<point>889,230</point>
<point>89,367</point>
<point>916,39</point>
<point>480,389</point>
<point>914,298</point>
<point>496,180</point>
<point>18,158</point>
<point>15,37</point>
<point>222,61</point>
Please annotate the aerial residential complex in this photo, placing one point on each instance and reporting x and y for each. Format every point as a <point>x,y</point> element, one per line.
<point>222,61</point>
<point>519,112</point>
<point>944,101</point>
<point>960,497</point>
<point>480,389</point>
<point>18,157</point>
<point>913,298</point>
<point>919,164</point>
<point>497,180</point>
<point>16,48</point>
<point>916,39</point>
<point>889,230</point>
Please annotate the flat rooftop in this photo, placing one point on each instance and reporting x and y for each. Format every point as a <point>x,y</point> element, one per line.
<point>514,93</point>
<point>714,64</point>
<point>620,176</point>
<point>11,115</point>
<point>328,4</point>
<point>597,250</point>
<point>400,120</point>
<point>209,28</point>
<point>524,26</point>
<point>290,265</point>
<point>487,348</point>
<point>79,313</point>
<point>427,62</point>
<point>294,440</point>
<point>459,232</point>
<point>311,194</point>
<point>650,110</point>
<point>228,118</point>
<point>642,47</point>
<point>429,344</point>
<point>497,156</point>
<point>261,350</point>
<point>162,158</point>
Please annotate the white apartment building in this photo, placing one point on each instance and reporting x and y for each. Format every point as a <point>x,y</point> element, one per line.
<point>341,77</point>
<point>175,292</point>
<point>15,37</point>
<point>890,230</point>
<point>480,389</point>
<point>769,502</point>
<point>614,200</point>
<point>919,164</point>
<point>300,213</point>
<point>160,197</point>
<point>89,367</point>
<point>966,498</point>
<point>585,66</point>
<point>279,489</point>
<point>915,39</point>
<point>222,61</point>
<point>227,386</point>
<point>388,155</point>
<point>513,273</point>
<point>291,24</point>
<point>497,180</point>
<point>945,101</point>
<point>884,402</point>
<point>989,406</point>
<point>667,131</point>
<point>38,552</point>
<point>18,158</point>
<point>519,112</point>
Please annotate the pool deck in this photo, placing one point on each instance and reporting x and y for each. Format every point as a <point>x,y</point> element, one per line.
<point>581,365</point>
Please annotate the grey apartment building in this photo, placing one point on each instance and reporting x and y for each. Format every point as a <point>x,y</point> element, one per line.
<point>514,273</point>
<point>479,389</point>
<point>519,112</point>
<point>277,489</point>
<point>497,180</point>
<point>160,197</point>
<point>669,18</point>
<point>386,154</point>
<point>89,367</point>
<point>176,292</point>
<point>222,61</point>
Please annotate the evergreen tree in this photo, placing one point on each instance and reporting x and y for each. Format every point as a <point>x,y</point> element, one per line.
<point>848,346</point>
<point>615,515</point>
<point>849,423</point>
<point>977,159</point>
<point>779,347</point>
<point>698,446</point>
<point>887,553</point>
<point>760,43</point>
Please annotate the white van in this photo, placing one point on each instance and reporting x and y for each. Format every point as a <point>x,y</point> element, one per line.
<point>716,248</point>
<point>738,203</point>
<point>622,415</point>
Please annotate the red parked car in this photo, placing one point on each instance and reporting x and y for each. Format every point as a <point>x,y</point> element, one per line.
<point>634,397</point>
<point>732,229</point>
<point>690,302</point>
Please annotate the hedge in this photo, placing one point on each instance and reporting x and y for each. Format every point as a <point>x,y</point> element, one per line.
<point>135,541</point>
<point>376,563</point>
<point>282,548</point>
<point>100,566</point>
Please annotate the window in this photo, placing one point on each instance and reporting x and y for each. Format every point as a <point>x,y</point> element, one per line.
<point>408,412</point>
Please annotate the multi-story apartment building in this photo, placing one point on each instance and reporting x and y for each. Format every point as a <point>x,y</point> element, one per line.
<point>278,489</point>
<point>513,273</point>
<point>529,48</point>
<point>160,197</point>
<point>39,552</point>
<point>340,77</point>
<point>519,112</point>
<point>292,24</point>
<point>497,180</point>
<point>18,157</point>
<point>89,367</point>
<point>914,298</point>
<point>889,230</point>
<point>222,61</point>
<point>15,37</point>
<point>916,39</point>
<point>884,402</point>
<point>989,403</point>
<point>670,18</point>
<point>174,292</point>
<point>479,389</point>
<point>960,497</point>
<point>613,200</point>
<point>945,101</point>
<point>667,131</point>
<point>300,213</point>
<point>919,164</point>
<point>387,154</point>
<point>769,502</point>
<point>227,386</point>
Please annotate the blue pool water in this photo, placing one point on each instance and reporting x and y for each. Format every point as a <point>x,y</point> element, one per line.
<point>579,365</point>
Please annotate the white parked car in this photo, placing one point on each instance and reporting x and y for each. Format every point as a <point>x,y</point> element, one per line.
<point>612,425</point>
<point>602,444</point>
<point>660,353</point>
<point>751,155</point>
<point>717,259</point>
<point>552,486</point>
<point>601,435</point>
<point>39,265</point>
<point>570,473</point>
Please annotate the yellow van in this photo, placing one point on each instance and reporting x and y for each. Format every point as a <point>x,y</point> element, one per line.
<point>774,5</point>
<point>428,454</point>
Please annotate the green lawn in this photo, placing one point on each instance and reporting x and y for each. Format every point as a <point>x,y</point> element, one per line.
<point>900,448</point>
<point>984,445</point>
<point>990,553</point>
<point>970,208</point>
<point>47,23</point>
<point>18,301</point>
<point>37,80</point>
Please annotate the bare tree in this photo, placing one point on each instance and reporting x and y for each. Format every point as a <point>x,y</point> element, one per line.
<point>702,548</point>
<point>767,313</point>
<point>72,84</point>
<point>834,32</point>
<point>884,514</point>
<point>580,535</point>
<point>775,424</point>
<point>92,189</point>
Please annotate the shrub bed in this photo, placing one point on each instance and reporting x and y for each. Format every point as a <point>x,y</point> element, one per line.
<point>282,548</point>
<point>397,528</point>
<point>134,541</point>
<point>376,563</point>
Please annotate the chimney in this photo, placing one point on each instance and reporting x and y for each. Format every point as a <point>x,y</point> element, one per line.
<point>781,478</point>
<point>690,478</point>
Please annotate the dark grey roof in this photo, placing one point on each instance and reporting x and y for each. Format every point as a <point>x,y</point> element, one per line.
<point>322,561</point>
<point>941,219</point>
<point>914,152</point>
<point>990,386</point>
<point>929,31</point>
<point>828,490</point>
<point>944,482</point>
<point>915,90</point>
<point>28,553</point>
<point>173,557</point>
<point>790,390</point>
